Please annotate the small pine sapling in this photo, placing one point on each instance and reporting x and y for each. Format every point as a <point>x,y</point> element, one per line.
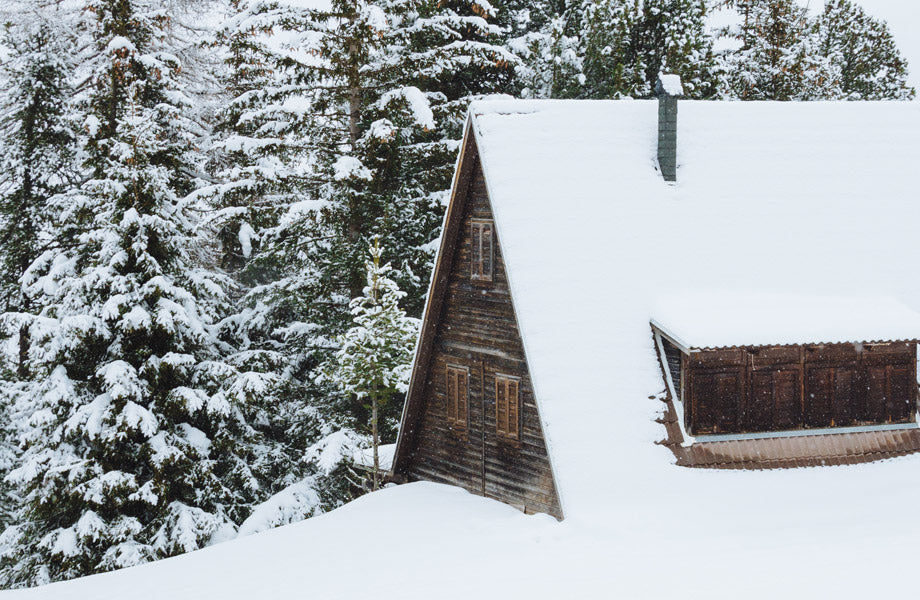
<point>373,362</point>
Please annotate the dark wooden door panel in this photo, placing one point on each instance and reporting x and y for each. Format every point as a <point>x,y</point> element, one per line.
<point>716,399</point>
<point>702,390</point>
<point>848,404</point>
<point>758,415</point>
<point>899,393</point>
<point>876,400</point>
<point>820,387</point>
<point>787,400</point>
<point>728,400</point>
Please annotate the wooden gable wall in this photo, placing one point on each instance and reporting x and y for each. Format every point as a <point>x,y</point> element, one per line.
<point>472,324</point>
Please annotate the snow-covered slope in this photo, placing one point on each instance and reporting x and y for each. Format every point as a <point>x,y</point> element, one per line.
<point>836,532</point>
<point>819,199</point>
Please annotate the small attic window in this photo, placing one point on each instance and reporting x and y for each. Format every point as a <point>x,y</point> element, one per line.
<point>458,396</point>
<point>508,406</point>
<point>481,255</point>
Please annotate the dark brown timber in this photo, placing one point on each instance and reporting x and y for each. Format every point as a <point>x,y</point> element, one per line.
<point>785,388</point>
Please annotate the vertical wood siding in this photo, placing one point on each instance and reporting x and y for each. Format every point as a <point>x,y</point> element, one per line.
<point>477,329</point>
<point>744,390</point>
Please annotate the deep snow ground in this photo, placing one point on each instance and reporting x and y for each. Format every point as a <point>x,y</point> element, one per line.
<point>843,532</point>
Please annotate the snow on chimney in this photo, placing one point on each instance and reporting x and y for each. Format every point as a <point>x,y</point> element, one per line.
<point>668,89</point>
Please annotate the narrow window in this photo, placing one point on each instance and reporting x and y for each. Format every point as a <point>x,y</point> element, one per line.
<point>481,254</point>
<point>458,395</point>
<point>508,406</point>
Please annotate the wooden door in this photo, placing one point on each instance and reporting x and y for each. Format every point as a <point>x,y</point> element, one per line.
<point>889,397</point>
<point>716,397</point>
<point>774,403</point>
<point>832,396</point>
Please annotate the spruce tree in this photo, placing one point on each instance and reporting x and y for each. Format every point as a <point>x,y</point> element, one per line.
<point>36,155</point>
<point>373,362</point>
<point>614,62</point>
<point>674,38</point>
<point>777,57</point>
<point>863,52</point>
<point>36,162</point>
<point>352,136</point>
<point>134,424</point>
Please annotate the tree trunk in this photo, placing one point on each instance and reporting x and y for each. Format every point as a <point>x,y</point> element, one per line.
<point>25,340</point>
<point>376,478</point>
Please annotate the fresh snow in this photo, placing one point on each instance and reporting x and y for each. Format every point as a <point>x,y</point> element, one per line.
<point>365,457</point>
<point>347,167</point>
<point>725,320</point>
<point>671,84</point>
<point>789,199</point>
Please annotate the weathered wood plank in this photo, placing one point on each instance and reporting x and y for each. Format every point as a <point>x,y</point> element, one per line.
<point>475,327</point>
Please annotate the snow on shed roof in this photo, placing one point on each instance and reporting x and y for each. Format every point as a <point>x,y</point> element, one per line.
<point>698,321</point>
<point>780,198</point>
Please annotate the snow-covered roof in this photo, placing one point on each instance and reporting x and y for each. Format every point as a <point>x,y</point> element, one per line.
<point>810,199</point>
<point>725,320</point>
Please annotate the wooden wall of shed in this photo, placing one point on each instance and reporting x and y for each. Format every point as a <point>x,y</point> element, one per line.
<point>477,328</point>
<point>779,388</point>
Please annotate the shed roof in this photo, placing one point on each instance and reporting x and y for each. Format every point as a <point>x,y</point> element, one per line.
<point>817,199</point>
<point>700,321</point>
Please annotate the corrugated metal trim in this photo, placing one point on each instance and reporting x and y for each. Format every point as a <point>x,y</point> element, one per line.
<point>809,450</point>
<point>688,348</point>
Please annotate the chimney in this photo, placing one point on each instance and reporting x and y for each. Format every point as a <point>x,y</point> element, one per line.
<point>668,89</point>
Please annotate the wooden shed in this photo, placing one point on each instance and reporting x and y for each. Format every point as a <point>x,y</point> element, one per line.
<point>809,366</point>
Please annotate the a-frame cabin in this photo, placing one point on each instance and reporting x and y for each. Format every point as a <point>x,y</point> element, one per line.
<point>471,417</point>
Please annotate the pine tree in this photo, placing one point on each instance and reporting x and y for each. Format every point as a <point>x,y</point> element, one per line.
<point>36,154</point>
<point>355,135</point>
<point>552,59</point>
<point>674,38</point>
<point>614,63</point>
<point>373,362</point>
<point>778,57</point>
<point>133,450</point>
<point>36,162</point>
<point>864,53</point>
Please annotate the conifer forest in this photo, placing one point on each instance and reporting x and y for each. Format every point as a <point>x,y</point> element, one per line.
<point>218,220</point>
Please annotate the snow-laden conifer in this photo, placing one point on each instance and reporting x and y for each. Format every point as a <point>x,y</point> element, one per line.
<point>674,38</point>
<point>776,55</point>
<point>863,53</point>
<point>130,452</point>
<point>37,150</point>
<point>373,362</point>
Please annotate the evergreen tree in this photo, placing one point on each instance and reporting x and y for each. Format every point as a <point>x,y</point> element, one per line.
<point>778,57</point>
<point>553,63</point>
<point>863,52</point>
<point>351,136</point>
<point>614,63</point>
<point>133,420</point>
<point>374,359</point>
<point>36,162</point>
<point>36,154</point>
<point>674,39</point>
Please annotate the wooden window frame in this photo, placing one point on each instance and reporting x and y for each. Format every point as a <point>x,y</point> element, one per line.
<point>458,410</point>
<point>477,264</point>
<point>508,427</point>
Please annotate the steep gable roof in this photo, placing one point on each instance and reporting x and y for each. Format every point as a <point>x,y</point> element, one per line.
<point>815,199</point>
